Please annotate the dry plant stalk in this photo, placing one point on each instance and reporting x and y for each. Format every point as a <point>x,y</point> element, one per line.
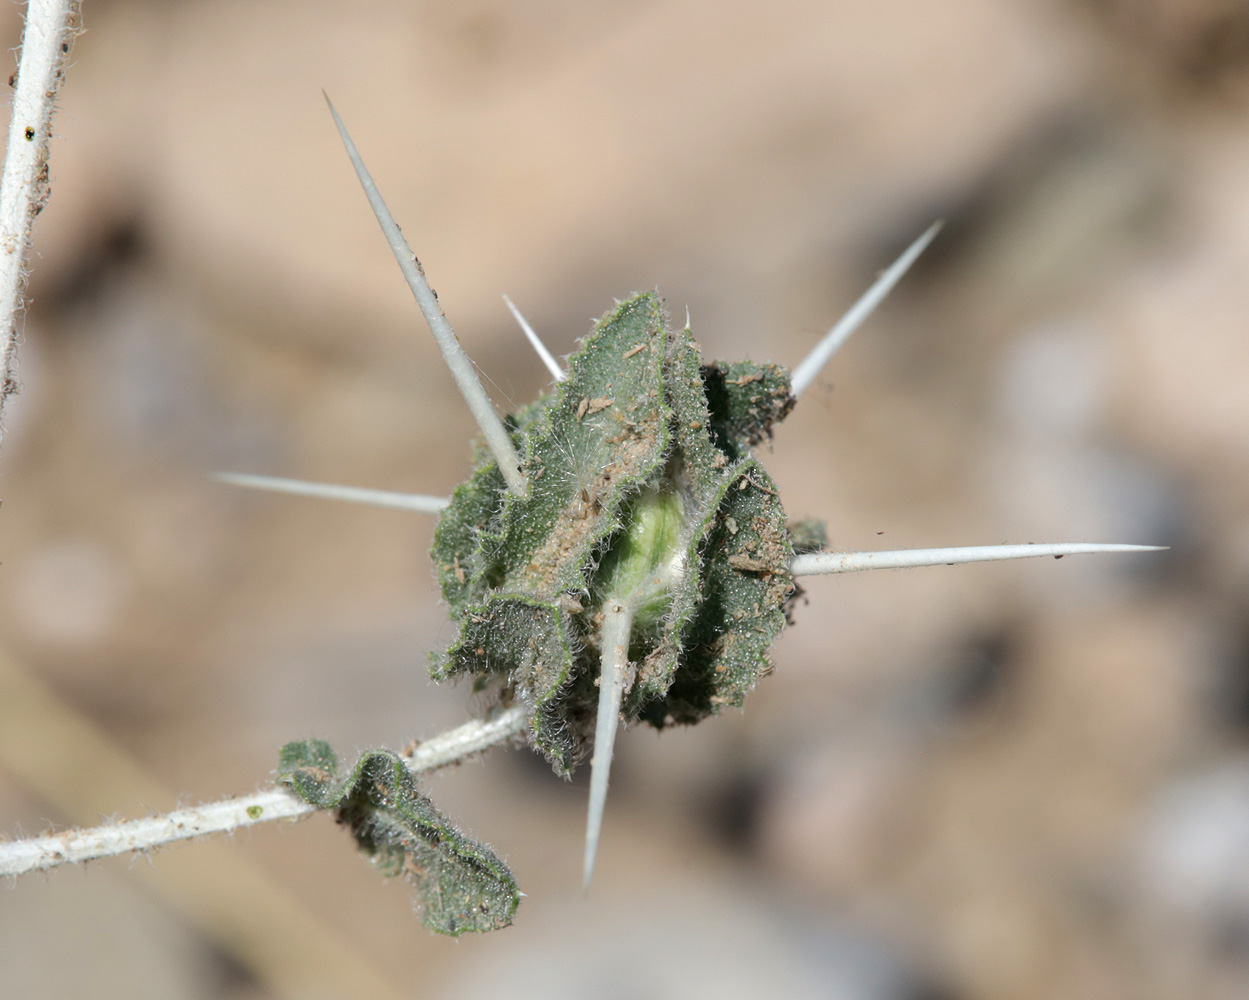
<point>50,28</point>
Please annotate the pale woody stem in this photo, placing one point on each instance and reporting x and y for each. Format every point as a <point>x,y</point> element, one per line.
<point>20,856</point>
<point>50,24</point>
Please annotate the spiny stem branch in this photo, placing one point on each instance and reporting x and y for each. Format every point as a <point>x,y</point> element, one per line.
<point>50,25</point>
<point>811,366</point>
<point>821,563</point>
<point>418,502</point>
<point>20,856</point>
<point>461,367</point>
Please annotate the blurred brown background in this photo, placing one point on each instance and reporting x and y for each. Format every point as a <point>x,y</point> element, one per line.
<point>1017,781</point>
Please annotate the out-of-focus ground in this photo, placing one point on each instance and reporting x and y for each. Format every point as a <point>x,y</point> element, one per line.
<point>1019,781</point>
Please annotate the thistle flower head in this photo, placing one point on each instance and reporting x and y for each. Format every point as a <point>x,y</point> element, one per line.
<point>642,491</point>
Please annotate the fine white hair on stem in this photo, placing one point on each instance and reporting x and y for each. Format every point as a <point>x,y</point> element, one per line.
<point>535,341</point>
<point>612,679</point>
<point>821,563</point>
<point>50,24</point>
<point>327,491</point>
<point>457,361</point>
<point>811,366</point>
<point>20,856</point>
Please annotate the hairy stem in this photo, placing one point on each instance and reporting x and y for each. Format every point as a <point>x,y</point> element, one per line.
<point>50,24</point>
<point>41,853</point>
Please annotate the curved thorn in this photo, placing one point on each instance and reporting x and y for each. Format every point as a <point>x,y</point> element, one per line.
<point>461,367</point>
<point>820,563</point>
<point>535,341</point>
<point>326,491</point>
<point>811,366</point>
<point>613,678</point>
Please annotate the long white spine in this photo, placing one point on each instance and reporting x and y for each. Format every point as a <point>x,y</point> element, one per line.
<point>823,563</point>
<point>613,677</point>
<point>418,502</point>
<point>535,342</point>
<point>809,368</point>
<point>452,353</point>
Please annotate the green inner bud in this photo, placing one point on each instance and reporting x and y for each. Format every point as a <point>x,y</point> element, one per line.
<point>647,558</point>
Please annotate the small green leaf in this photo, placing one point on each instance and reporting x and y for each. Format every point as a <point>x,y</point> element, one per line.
<point>460,884</point>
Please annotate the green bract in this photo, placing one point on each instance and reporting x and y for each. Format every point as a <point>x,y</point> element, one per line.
<point>462,885</point>
<point>642,489</point>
